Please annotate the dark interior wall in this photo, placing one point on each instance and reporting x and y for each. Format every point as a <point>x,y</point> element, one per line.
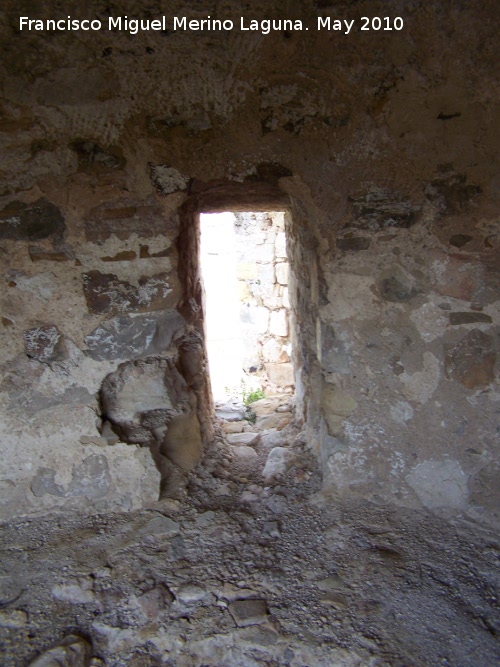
<point>382,145</point>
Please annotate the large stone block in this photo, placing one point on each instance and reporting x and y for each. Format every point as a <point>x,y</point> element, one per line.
<point>121,338</point>
<point>471,361</point>
<point>33,222</point>
<point>182,443</point>
<point>140,398</point>
<point>106,293</point>
<point>127,337</point>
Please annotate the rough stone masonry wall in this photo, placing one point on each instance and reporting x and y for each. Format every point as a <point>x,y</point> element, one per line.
<point>262,273</point>
<point>383,149</point>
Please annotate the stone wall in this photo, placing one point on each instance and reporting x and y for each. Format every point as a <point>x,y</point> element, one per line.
<point>262,274</point>
<point>381,148</point>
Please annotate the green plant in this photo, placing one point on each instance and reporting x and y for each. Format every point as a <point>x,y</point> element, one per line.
<point>246,394</point>
<point>250,396</point>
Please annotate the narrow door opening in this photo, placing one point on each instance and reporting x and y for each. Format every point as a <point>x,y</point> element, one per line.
<point>245,272</point>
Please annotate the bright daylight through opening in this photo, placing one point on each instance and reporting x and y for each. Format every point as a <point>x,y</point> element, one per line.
<point>245,274</point>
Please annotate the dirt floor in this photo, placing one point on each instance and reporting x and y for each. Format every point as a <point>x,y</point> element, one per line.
<point>252,567</point>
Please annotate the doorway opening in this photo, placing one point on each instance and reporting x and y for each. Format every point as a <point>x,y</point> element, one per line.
<point>245,272</point>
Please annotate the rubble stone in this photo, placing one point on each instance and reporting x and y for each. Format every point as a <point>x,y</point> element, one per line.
<point>106,293</point>
<point>23,222</point>
<point>248,612</point>
<point>471,361</point>
<point>45,344</point>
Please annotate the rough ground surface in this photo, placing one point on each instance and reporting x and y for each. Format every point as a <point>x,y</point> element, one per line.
<point>251,571</point>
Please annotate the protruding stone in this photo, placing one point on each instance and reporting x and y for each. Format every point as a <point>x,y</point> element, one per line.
<point>247,438</point>
<point>471,361</point>
<point>72,651</point>
<point>267,406</point>
<point>277,421</point>
<point>141,396</point>
<point>248,612</point>
<point>276,463</point>
<point>244,452</point>
<point>167,179</point>
<point>230,413</point>
<point>159,527</point>
<point>155,601</point>
<point>74,592</point>
<point>182,443</point>
<point>233,427</point>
